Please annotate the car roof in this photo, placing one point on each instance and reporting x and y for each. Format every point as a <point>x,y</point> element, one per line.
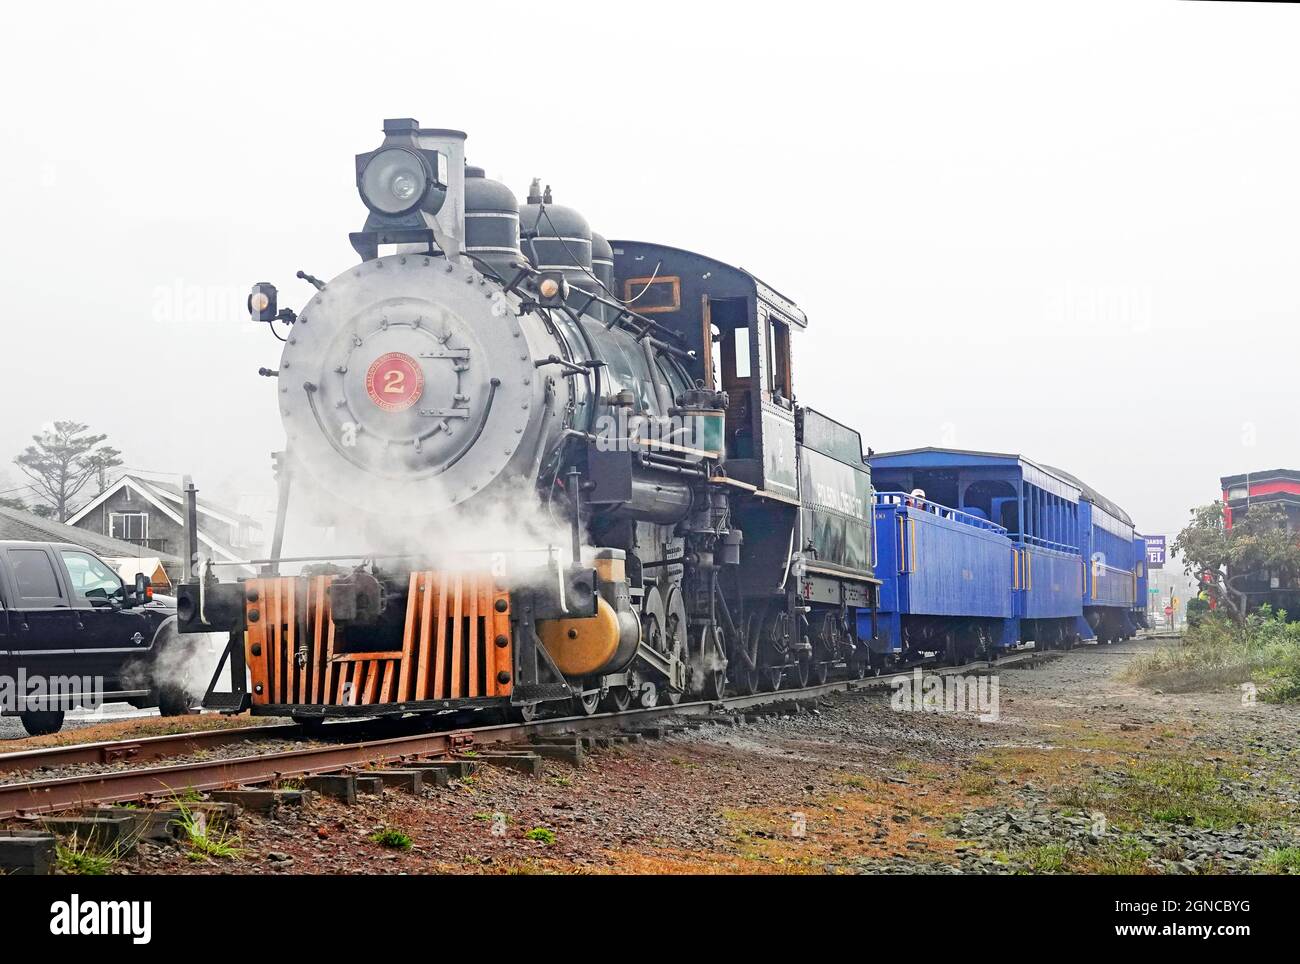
<point>27,544</point>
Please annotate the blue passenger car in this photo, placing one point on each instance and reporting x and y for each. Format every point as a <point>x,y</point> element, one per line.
<point>946,582</point>
<point>1143,581</point>
<point>1039,509</point>
<point>1111,565</point>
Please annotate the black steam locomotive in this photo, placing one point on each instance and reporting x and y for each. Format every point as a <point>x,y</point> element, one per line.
<point>575,468</point>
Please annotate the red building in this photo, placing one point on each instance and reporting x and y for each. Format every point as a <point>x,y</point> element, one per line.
<point>1279,487</point>
<point>1273,486</point>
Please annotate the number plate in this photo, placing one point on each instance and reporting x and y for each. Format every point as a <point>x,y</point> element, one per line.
<point>394,381</point>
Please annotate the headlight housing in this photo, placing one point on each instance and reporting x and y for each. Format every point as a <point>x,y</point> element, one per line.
<point>394,181</point>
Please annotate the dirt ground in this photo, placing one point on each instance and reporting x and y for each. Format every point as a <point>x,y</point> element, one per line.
<point>1081,772</point>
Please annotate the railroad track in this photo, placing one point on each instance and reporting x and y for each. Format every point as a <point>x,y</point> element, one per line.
<point>50,795</point>
<point>141,749</point>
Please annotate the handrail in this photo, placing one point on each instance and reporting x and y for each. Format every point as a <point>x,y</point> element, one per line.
<point>1048,544</point>
<point>905,500</point>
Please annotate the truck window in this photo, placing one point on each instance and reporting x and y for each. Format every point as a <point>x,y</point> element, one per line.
<point>88,573</point>
<point>34,574</point>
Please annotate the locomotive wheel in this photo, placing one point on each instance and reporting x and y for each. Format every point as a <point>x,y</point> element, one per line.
<point>617,700</point>
<point>772,646</point>
<point>800,671</point>
<point>530,712</point>
<point>674,642</point>
<point>586,704</point>
<point>857,666</point>
<point>653,619</point>
<point>743,677</point>
<point>714,678</point>
<point>830,640</point>
<point>770,677</point>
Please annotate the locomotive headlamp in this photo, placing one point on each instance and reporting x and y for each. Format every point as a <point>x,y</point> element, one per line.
<point>552,290</point>
<point>403,176</point>
<point>261,302</point>
<point>394,181</point>
<point>405,183</point>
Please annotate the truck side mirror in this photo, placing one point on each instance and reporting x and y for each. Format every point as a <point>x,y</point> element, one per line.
<point>143,588</point>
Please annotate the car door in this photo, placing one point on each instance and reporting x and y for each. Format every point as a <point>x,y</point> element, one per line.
<point>6,641</point>
<point>41,619</point>
<point>97,594</point>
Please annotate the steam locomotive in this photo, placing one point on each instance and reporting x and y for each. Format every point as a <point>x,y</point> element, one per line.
<point>622,411</point>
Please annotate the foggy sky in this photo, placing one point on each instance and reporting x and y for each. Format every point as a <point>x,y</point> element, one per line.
<point>1063,229</point>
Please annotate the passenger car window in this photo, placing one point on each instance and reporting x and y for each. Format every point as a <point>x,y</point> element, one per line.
<point>34,574</point>
<point>89,574</point>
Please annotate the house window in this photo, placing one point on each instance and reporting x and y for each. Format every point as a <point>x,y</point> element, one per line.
<point>129,526</point>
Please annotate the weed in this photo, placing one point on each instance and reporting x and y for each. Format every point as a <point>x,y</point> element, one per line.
<point>391,838</point>
<point>83,859</point>
<point>203,840</point>
<point>1283,861</point>
<point>1169,791</point>
<point>542,834</point>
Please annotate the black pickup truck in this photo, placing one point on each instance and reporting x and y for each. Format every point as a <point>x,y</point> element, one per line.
<point>73,634</point>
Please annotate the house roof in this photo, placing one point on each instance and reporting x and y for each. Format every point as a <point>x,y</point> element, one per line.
<point>27,527</point>
<point>170,501</point>
<point>174,493</point>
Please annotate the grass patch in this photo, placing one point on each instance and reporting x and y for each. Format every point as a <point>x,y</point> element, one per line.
<point>392,838</point>
<point>204,841</point>
<point>541,834</point>
<point>1220,652</point>
<point>82,859</point>
<point>1122,855</point>
<point>976,784</point>
<point>1169,791</point>
<point>1047,859</point>
<point>1283,861</point>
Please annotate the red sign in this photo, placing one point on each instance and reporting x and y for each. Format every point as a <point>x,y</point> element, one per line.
<point>395,382</point>
<point>1169,610</point>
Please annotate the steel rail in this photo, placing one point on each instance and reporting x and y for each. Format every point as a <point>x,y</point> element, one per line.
<point>43,796</point>
<point>141,749</point>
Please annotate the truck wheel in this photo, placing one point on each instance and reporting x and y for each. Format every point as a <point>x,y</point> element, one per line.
<point>173,700</point>
<point>41,722</point>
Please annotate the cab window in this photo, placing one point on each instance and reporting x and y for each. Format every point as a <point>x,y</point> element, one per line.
<point>90,578</point>
<point>778,361</point>
<point>34,575</point>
